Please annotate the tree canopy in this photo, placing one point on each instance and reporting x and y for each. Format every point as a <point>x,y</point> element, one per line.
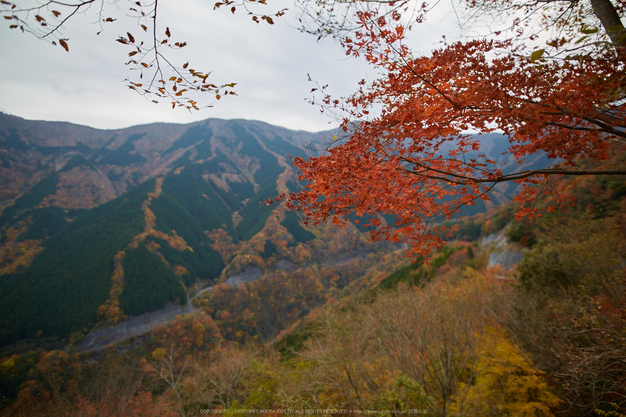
<point>552,82</point>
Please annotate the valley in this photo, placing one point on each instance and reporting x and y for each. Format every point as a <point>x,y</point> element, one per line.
<point>117,224</point>
<point>149,259</point>
<point>98,226</point>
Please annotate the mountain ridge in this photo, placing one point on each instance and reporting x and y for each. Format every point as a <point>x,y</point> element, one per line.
<point>92,235</point>
<point>158,190</point>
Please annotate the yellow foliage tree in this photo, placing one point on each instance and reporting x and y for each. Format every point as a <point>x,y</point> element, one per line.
<point>508,383</point>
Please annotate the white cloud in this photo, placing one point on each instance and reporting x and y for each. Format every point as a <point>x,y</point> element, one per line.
<point>269,63</point>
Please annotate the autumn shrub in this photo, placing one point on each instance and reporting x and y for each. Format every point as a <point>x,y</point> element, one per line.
<point>570,314</point>
<point>520,232</point>
<point>439,348</point>
<point>349,369</point>
<point>61,385</point>
<point>217,381</point>
<point>508,383</point>
<point>580,255</point>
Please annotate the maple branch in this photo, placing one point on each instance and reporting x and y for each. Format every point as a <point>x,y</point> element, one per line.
<point>605,127</point>
<point>600,118</point>
<point>38,32</point>
<point>604,116</point>
<point>596,120</point>
<point>149,61</point>
<point>30,9</point>
<point>155,46</point>
<point>447,212</point>
<point>76,9</point>
<point>433,86</point>
<point>510,177</point>
<point>553,171</point>
<point>588,129</point>
<point>428,168</point>
<point>319,17</point>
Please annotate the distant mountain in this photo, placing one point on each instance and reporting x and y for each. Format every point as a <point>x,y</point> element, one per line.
<point>494,146</point>
<point>103,224</point>
<point>98,225</point>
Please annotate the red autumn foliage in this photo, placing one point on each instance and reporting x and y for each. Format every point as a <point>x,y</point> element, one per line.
<point>416,160</point>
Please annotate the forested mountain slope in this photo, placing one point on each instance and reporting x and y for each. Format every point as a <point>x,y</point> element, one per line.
<point>69,260</point>
<point>347,315</point>
<point>99,225</point>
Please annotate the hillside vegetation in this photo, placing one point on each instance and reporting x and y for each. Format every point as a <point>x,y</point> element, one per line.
<point>449,338</point>
<point>332,321</point>
<point>69,262</point>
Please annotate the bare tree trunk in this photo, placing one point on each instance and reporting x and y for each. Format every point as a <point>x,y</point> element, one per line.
<point>605,11</point>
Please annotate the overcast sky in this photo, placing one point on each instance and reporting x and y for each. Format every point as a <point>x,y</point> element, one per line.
<point>269,63</point>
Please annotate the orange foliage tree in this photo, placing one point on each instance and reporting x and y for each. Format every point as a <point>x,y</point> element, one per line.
<point>406,149</point>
